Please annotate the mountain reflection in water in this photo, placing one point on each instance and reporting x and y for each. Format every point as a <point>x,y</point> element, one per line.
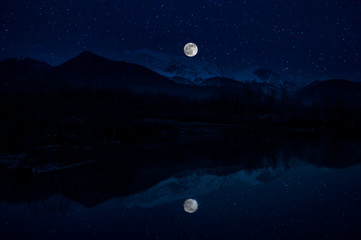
<point>256,187</point>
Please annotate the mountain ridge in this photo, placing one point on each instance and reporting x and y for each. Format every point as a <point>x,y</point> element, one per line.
<point>91,70</point>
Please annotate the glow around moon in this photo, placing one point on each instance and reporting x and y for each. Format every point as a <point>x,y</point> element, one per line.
<point>190,205</point>
<point>190,49</point>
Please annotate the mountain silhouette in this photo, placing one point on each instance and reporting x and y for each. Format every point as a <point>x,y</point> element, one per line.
<point>90,70</point>
<point>330,91</point>
<point>21,69</point>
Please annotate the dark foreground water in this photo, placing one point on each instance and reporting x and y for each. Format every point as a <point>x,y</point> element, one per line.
<point>283,197</point>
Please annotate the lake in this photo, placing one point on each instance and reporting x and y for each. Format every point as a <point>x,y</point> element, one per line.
<point>254,187</point>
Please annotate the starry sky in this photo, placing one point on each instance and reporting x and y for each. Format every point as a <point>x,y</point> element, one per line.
<point>298,38</point>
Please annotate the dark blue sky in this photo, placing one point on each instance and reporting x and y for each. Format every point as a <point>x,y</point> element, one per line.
<point>302,37</point>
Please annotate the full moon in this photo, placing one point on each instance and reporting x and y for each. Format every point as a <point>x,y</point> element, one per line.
<point>190,49</point>
<point>190,205</point>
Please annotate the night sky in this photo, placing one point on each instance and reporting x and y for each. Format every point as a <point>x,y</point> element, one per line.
<point>300,38</point>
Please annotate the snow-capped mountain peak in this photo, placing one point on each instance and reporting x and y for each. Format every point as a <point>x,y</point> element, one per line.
<point>195,71</point>
<point>178,68</point>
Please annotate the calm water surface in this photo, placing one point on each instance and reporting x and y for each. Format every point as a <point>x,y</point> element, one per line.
<point>293,199</point>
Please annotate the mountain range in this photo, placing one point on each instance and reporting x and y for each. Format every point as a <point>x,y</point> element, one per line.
<point>146,71</point>
<point>196,72</point>
<point>88,70</point>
